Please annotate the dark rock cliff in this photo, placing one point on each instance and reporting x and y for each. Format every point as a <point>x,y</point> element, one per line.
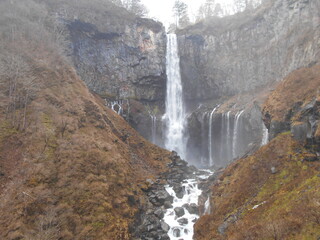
<point>122,62</point>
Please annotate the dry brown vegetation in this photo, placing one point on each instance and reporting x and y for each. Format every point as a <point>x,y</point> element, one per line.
<point>299,88</point>
<point>69,167</point>
<point>273,194</point>
<point>288,199</point>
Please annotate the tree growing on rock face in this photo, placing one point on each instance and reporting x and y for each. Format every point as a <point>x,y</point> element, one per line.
<point>180,11</point>
<point>135,6</point>
<point>209,9</point>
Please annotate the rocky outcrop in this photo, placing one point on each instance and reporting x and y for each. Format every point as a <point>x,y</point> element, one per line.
<point>249,50</point>
<point>294,106</point>
<point>150,223</point>
<point>122,61</point>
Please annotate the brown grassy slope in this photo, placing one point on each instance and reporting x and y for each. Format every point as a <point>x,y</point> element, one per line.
<point>299,88</point>
<point>69,167</point>
<point>77,167</point>
<point>290,198</point>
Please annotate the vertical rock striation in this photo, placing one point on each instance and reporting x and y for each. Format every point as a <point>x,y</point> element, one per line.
<point>243,52</point>
<point>125,61</point>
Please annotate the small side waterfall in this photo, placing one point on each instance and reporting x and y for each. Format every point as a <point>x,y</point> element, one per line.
<point>265,136</point>
<point>210,145</point>
<point>235,134</point>
<point>116,106</point>
<point>229,140</point>
<point>153,129</point>
<point>175,110</point>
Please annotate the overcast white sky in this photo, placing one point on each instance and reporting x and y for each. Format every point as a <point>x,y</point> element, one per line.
<point>162,9</point>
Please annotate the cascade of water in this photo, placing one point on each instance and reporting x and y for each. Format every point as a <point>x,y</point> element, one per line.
<point>265,136</point>
<point>153,129</point>
<point>235,134</point>
<point>204,149</point>
<point>175,110</point>
<point>210,147</point>
<point>181,226</point>
<point>116,106</point>
<point>223,137</point>
<point>207,207</point>
<point>229,143</point>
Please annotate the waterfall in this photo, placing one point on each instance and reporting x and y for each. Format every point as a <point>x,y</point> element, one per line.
<point>153,129</point>
<point>265,136</point>
<point>175,110</point>
<point>229,143</point>
<point>210,147</point>
<point>235,134</point>
<point>223,138</point>
<point>116,106</point>
<point>204,159</point>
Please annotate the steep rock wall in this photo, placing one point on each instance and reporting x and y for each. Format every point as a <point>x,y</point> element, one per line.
<point>249,50</point>
<point>124,60</point>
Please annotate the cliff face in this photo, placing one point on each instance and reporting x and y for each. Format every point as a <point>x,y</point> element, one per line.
<point>241,53</point>
<point>123,61</point>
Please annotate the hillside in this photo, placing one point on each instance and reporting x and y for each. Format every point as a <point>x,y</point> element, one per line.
<point>274,193</point>
<point>70,168</point>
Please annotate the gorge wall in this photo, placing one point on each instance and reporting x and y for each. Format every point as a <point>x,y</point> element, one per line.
<point>121,57</point>
<point>123,62</point>
<point>233,63</point>
<point>246,51</point>
<point>227,62</point>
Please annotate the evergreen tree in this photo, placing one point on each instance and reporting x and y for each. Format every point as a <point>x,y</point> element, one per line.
<point>180,10</point>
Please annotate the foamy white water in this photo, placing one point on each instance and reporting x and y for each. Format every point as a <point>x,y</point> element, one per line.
<point>179,230</point>
<point>175,111</point>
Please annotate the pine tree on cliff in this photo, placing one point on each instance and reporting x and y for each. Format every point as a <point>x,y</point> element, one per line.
<point>180,10</point>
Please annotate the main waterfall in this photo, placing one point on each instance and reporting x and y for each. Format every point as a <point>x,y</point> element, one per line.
<point>175,110</point>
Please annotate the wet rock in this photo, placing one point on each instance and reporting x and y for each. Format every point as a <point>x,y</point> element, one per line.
<point>192,208</point>
<point>167,204</point>
<point>159,213</point>
<point>179,211</point>
<point>179,190</point>
<point>164,226</point>
<point>176,232</point>
<point>183,221</point>
<point>159,197</point>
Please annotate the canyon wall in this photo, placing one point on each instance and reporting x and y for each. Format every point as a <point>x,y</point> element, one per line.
<point>222,61</point>
<point>252,49</point>
<point>126,61</point>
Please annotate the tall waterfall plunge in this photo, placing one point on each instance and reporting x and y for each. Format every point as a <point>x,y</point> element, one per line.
<point>175,109</point>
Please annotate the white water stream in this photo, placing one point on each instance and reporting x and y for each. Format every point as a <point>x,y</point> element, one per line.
<point>181,228</point>
<point>175,110</point>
